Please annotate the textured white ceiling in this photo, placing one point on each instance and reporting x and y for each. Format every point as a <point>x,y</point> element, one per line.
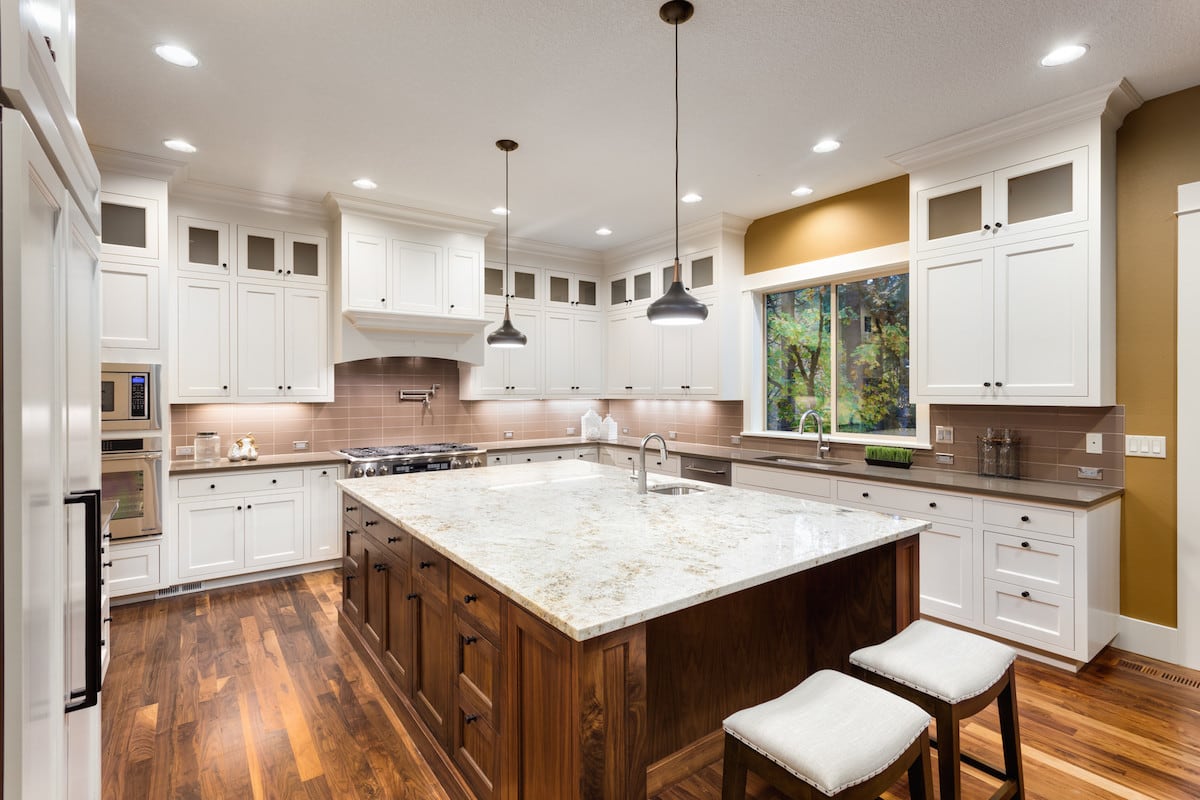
<point>299,97</point>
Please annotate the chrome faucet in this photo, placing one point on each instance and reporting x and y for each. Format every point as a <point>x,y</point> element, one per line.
<point>662,451</point>
<point>822,448</point>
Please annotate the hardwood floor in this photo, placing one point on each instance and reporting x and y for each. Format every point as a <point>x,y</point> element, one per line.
<point>252,692</point>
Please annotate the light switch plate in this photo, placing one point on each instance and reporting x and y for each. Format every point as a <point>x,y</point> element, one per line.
<point>1095,443</point>
<point>943,434</point>
<point>508,434</point>
<point>300,445</point>
<point>1146,446</point>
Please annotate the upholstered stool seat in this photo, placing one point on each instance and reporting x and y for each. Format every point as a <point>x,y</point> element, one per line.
<point>833,734</point>
<point>952,675</point>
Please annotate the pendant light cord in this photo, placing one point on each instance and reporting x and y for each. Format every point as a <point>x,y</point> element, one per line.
<point>507,214</point>
<point>677,275</point>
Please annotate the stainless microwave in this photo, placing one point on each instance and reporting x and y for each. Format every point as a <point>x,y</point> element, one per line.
<point>129,397</point>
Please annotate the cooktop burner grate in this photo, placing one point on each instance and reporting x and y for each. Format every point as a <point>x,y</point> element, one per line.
<point>392,451</point>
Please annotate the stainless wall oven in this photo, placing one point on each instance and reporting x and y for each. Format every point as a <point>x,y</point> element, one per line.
<point>129,397</point>
<point>130,471</point>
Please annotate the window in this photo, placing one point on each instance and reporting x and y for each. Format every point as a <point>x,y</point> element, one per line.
<point>840,346</point>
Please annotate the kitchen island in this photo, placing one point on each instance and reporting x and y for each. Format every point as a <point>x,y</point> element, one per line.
<point>556,635</point>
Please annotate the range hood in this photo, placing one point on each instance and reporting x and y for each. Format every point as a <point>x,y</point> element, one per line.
<point>380,334</point>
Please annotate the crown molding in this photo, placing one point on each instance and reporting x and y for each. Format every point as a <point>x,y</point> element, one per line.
<point>1110,102</point>
<point>563,254</point>
<point>111,160</point>
<point>390,212</point>
<point>249,199</point>
<point>717,224</point>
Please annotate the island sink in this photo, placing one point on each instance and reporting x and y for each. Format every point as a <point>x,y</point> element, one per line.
<point>676,489</point>
<point>801,461</point>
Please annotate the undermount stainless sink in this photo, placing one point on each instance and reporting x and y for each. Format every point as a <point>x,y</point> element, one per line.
<point>802,461</point>
<point>676,489</point>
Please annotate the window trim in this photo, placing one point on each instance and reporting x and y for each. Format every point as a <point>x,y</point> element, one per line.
<point>888,259</point>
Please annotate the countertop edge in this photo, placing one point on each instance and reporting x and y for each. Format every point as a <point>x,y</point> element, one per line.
<point>314,458</point>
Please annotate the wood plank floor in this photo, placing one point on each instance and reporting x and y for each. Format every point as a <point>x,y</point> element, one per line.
<point>252,692</point>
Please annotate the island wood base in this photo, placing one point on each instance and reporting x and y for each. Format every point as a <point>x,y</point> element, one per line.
<point>604,718</point>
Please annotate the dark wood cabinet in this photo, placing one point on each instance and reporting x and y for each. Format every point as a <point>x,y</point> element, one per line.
<point>398,644</point>
<point>353,587</point>
<point>374,567</point>
<point>431,666</point>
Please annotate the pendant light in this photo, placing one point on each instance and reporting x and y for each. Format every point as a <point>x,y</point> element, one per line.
<point>676,306</point>
<point>506,335</point>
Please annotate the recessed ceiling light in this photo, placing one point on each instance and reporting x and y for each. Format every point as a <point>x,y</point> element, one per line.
<point>365,183</point>
<point>802,191</point>
<point>500,211</point>
<point>603,231</point>
<point>826,146</point>
<point>179,145</point>
<point>691,197</point>
<point>1064,55</point>
<point>176,55</point>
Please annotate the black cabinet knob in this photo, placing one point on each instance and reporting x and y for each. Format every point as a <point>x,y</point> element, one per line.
<point>987,383</point>
<point>1024,544</point>
<point>411,596</point>
<point>470,639</point>
<point>224,266</point>
<point>393,539</point>
<point>452,305</point>
<point>279,272</point>
<point>370,522</point>
<point>212,486</point>
<point>933,505</point>
<point>239,508</point>
<point>1025,594</point>
<point>987,227</point>
<point>866,494</point>
<point>273,480</point>
<point>469,718</point>
<point>425,564</point>
<point>470,598</point>
<point>349,578</point>
<point>380,567</point>
<point>324,472</point>
<point>248,506</point>
<point>628,387</point>
<point>289,388</point>
<point>280,386</point>
<point>998,384</point>
<point>1024,518</point>
<point>999,225</point>
<point>226,388</point>
<point>383,299</point>
<point>289,272</point>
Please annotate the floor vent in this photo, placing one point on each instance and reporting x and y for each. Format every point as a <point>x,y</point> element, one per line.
<point>1136,667</point>
<point>1154,672</point>
<point>180,588</point>
<point>1181,680</point>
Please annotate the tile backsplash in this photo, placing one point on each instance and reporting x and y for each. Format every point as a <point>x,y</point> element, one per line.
<point>367,411</point>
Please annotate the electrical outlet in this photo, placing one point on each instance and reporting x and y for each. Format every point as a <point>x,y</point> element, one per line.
<point>943,434</point>
<point>1146,446</point>
<point>300,445</point>
<point>735,440</point>
<point>944,458</point>
<point>508,434</point>
<point>1095,444</point>
<point>570,431</point>
<point>185,450</point>
<point>1091,473</point>
<point>624,430</point>
<point>672,435</point>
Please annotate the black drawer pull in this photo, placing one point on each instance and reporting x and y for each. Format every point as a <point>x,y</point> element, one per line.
<point>350,578</point>
<point>1025,594</point>
<point>470,598</point>
<point>469,718</point>
<point>351,509</point>
<point>393,539</point>
<point>1024,544</point>
<point>470,639</point>
<point>425,564</point>
<point>370,522</point>
<point>107,619</point>
<point>351,532</point>
<point>411,596</point>
<point>107,564</point>
<point>1024,518</point>
<point>380,567</point>
<point>866,494</point>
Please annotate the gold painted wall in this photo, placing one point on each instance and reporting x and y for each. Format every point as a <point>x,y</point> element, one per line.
<point>1156,151</point>
<point>872,216</point>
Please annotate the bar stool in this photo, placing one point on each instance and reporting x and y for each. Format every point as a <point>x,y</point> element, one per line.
<point>831,737</point>
<point>952,675</point>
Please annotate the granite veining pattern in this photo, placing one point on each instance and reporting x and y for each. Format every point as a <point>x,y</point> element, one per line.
<point>574,544</point>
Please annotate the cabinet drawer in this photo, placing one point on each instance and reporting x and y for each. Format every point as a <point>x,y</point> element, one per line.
<point>352,508</point>
<point>135,568</point>
<point>395,539</point>
<point>905,501</point>
<point>476,752</point>
<point>1029,518</point>
<point>1029,614</point>
<point>477,668</point>
<point>477,600</point>
<point>242,482</point>
<point>654,462</point>
<point>782,481</point>
<point>430,566</point>
<point>1046,565</point>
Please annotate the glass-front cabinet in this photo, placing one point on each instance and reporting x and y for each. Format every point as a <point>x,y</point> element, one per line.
<point>1043,193</point>
<point>128,226</point>
<point>567,290</point>
<point>630,288</point>
<point>203,246</point>
<point>523,289</point>
<point>697,271</point>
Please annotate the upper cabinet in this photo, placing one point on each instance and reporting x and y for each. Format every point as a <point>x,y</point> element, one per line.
<point>265,254</point>
<point>1014,266</point>
<point>523,285</point>
<point>129,227</point>
<point>203,246</point>
<point>567,290</point>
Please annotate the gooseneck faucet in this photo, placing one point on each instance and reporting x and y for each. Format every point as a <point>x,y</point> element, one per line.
<point>662,451</point>
<point>822,448</point>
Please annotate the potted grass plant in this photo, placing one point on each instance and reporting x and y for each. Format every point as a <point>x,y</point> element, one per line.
<point>880,456</point>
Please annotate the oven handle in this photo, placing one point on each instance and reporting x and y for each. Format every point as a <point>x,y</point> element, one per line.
<point>90,695</point>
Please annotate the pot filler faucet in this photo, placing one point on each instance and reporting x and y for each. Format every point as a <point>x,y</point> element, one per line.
<point>822,448</point>
<point>662,450</point>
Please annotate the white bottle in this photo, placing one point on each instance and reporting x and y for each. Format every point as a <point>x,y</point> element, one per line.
<point>610,427</point>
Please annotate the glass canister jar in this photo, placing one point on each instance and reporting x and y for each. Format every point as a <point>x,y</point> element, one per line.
<point>207,446</point>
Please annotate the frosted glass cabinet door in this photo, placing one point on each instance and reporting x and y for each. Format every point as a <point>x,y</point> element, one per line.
<point>260,253</point>
<point>129,226</point>
<point>304,258</point>
<point>956,213</point>
<point>1044,193</point>
<point>203,246</point>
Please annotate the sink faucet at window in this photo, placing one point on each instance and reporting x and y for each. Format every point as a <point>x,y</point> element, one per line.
<point>662,451</point>
<point>822,448</point>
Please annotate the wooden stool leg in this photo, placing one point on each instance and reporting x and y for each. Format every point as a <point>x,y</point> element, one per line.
<point>733,771</point>
<point>920,773</point>
<point>1010,733</point>
<point>950,780</point>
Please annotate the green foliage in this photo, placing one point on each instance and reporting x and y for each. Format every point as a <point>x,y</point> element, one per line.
<point>899,455</point>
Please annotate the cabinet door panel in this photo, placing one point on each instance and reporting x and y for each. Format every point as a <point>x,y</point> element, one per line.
<point>643,354</point>
<point>211,537</point>
<point>674,342</point>
<point>416,278</point>
<point>1044,193</point>
<point>260,252</point>
<point>948,572</point>
<point>203,344</point>
<point>617,378</point>
<point>129,226</point>
<point>954,325</point>
<point>1041,317</point>
<point>398,641</point>
<point>306,343</point>
<point>260,317</point>
<point>560,353</point>
<point>274,529</point>
<point>375,608</point>
<point>1045,565</point>
<point>955,213</point>
<point>431,660</point>
<point>704,355</point>
<point>464,292</point>
<point>203,246</point>
<point>129,306</point>
<point>324,537</point>
<point>304,258</point>
<point>589,355</point>
<point>525,363</point>
<point>366,272</point>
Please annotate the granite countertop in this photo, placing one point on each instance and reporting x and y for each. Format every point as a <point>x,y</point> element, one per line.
<point>188,466</point>
<point>1068,494</point>
<point>573,542</point>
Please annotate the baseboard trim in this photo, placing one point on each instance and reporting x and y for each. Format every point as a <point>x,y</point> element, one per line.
<point>205,584</point>
<point>1148,639</point>
<point>688,760</point>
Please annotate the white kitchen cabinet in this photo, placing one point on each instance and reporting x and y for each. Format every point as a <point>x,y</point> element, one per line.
<point>633,353</point>
<point>211,536</point>
<point>324,517</point>
<point>203,246</point>
<point>689,358</point>
<point>283,348</point>
<point>1037,194</point>
<point>464,283</point>
<point>136,567</point>
<point>948,576</point>
<point>574,353</point>
<point>266,254</point>
<point>636,287</point>
<point>129,306</point>
<point>509,372</point>
<point>274,530</point>
<point>542,454</point>
<point>307,367</point>
<point>783,481</point>
<point>416,278</point>
<point>129,227</point>
<point>566,290</point>
<point>365,272</point>
<point>202,343</point>
<point>696,270</point>
<point>304,258</point>
<point>1008,323</point>
<point>524,284</point>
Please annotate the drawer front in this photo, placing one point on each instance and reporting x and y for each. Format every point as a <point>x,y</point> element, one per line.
<point>430,566</point>
<point>1029,614</point>
<point>256,481</point>
<point>477,600</point>
<point>1049,566</point>
<point>476,752</point>
<point>1038,519</point>
<point>135,568</point>
<point>654,462</point>
<point>783,481</point>
<point>477,668</point>
<point>395,539</point>
<point>917,502</point>
<point>352,509</point>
